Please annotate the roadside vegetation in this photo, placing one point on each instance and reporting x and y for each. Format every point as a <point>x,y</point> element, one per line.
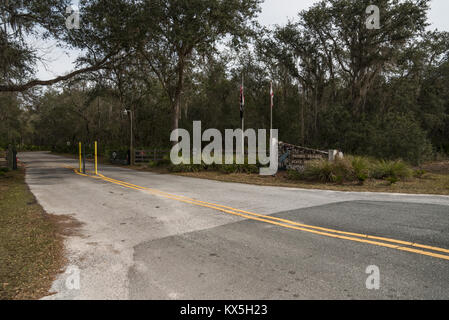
<point>31,246</point>
<point>354,169</point>
<point>353,173</point>
<point>349,174</point>
<point>430,182</point>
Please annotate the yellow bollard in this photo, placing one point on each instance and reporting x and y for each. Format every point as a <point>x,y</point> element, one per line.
<point>80,156</point>
<point>96,158</point>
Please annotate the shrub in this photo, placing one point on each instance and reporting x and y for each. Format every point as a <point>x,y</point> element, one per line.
<point>419,173</point>
<point>392,180</point>
<point>186,168</point>
<point>248,168</point>
<point>160,163</point>
<point>325,171</point>
<point>152,164</point>
<point>391,169</point>
<point>225,168</point>
<point>320,170</point>
<point>352,169</point>
<point>294,175</point>
<point>361,167</point>
<point>228,168</point>
<point>344,170</point>
<point>238,168</point>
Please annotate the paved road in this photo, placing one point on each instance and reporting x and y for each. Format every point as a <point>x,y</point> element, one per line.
<point>142,241</point>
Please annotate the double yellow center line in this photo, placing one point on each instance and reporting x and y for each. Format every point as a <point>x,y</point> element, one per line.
<point>357,237</point>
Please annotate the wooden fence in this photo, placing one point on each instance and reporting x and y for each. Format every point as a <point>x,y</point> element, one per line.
<point>145,156</point>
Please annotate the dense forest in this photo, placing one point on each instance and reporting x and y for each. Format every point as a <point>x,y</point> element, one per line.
<point>337,84</point>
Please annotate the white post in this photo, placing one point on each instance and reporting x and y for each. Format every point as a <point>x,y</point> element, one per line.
<point>333,155</point>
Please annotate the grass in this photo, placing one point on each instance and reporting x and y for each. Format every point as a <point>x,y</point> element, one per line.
<point>31,246</point>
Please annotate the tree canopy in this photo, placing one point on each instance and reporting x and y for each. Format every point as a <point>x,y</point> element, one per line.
<point>380,92</point>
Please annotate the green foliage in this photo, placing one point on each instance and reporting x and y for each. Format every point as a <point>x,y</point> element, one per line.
<point>187,168</point>
<point>352,169</point>
<point>401,137</point>
<point>294,175</point>
<point>325,171</point>
<point>21,20</point>
<point>238,168</point>
<point>391,169</point>
<point>161,163</point>
<point>361,167</point>
<point>419,173</point>
<point>225,168</point>
<point>171,76</point>
<point>152,164</point>
<point>392,180</point>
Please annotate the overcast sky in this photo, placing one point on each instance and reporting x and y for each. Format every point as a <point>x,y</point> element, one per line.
<point>273,12</point>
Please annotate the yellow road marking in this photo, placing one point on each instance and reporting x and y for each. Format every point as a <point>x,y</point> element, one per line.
<point>283,222</point>
<point>406,243</point>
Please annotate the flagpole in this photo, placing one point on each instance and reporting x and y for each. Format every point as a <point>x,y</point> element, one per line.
<point>271,104</point>
<point>271,110</point>
<point>243,121</point>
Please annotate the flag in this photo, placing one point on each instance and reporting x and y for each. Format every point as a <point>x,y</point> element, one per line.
<point>242,102</point>
<point>271,94</point>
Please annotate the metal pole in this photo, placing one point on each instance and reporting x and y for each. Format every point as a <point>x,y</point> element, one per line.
<point>96,158</point>
<point>84,158</point>
<point>302,92</point>
<point>243,118</point>
<point>79,145</point>
<point>243,137</point>
<point>271,115</point>
<point>131,144</point>
<point>271,105</point>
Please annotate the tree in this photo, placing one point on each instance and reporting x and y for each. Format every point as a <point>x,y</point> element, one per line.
<point>20,20</point>
<point>178,31</point>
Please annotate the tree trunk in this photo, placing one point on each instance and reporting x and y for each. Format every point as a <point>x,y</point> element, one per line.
<point>176,108</point>
<point>176,102</point>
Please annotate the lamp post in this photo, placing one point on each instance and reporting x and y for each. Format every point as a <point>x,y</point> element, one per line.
<point>131,147</point>
<point>301,94</point>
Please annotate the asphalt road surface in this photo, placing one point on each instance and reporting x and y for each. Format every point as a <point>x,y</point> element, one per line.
<point>151,236</point>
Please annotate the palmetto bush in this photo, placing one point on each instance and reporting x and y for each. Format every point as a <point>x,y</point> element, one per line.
<point>362,168</point>
<point>339,171</point>
<point>352,169</point>
<point>394,170</point>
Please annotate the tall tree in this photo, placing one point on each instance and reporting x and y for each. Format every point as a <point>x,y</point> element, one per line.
<point>178,31</point>
<point>21,20</point>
